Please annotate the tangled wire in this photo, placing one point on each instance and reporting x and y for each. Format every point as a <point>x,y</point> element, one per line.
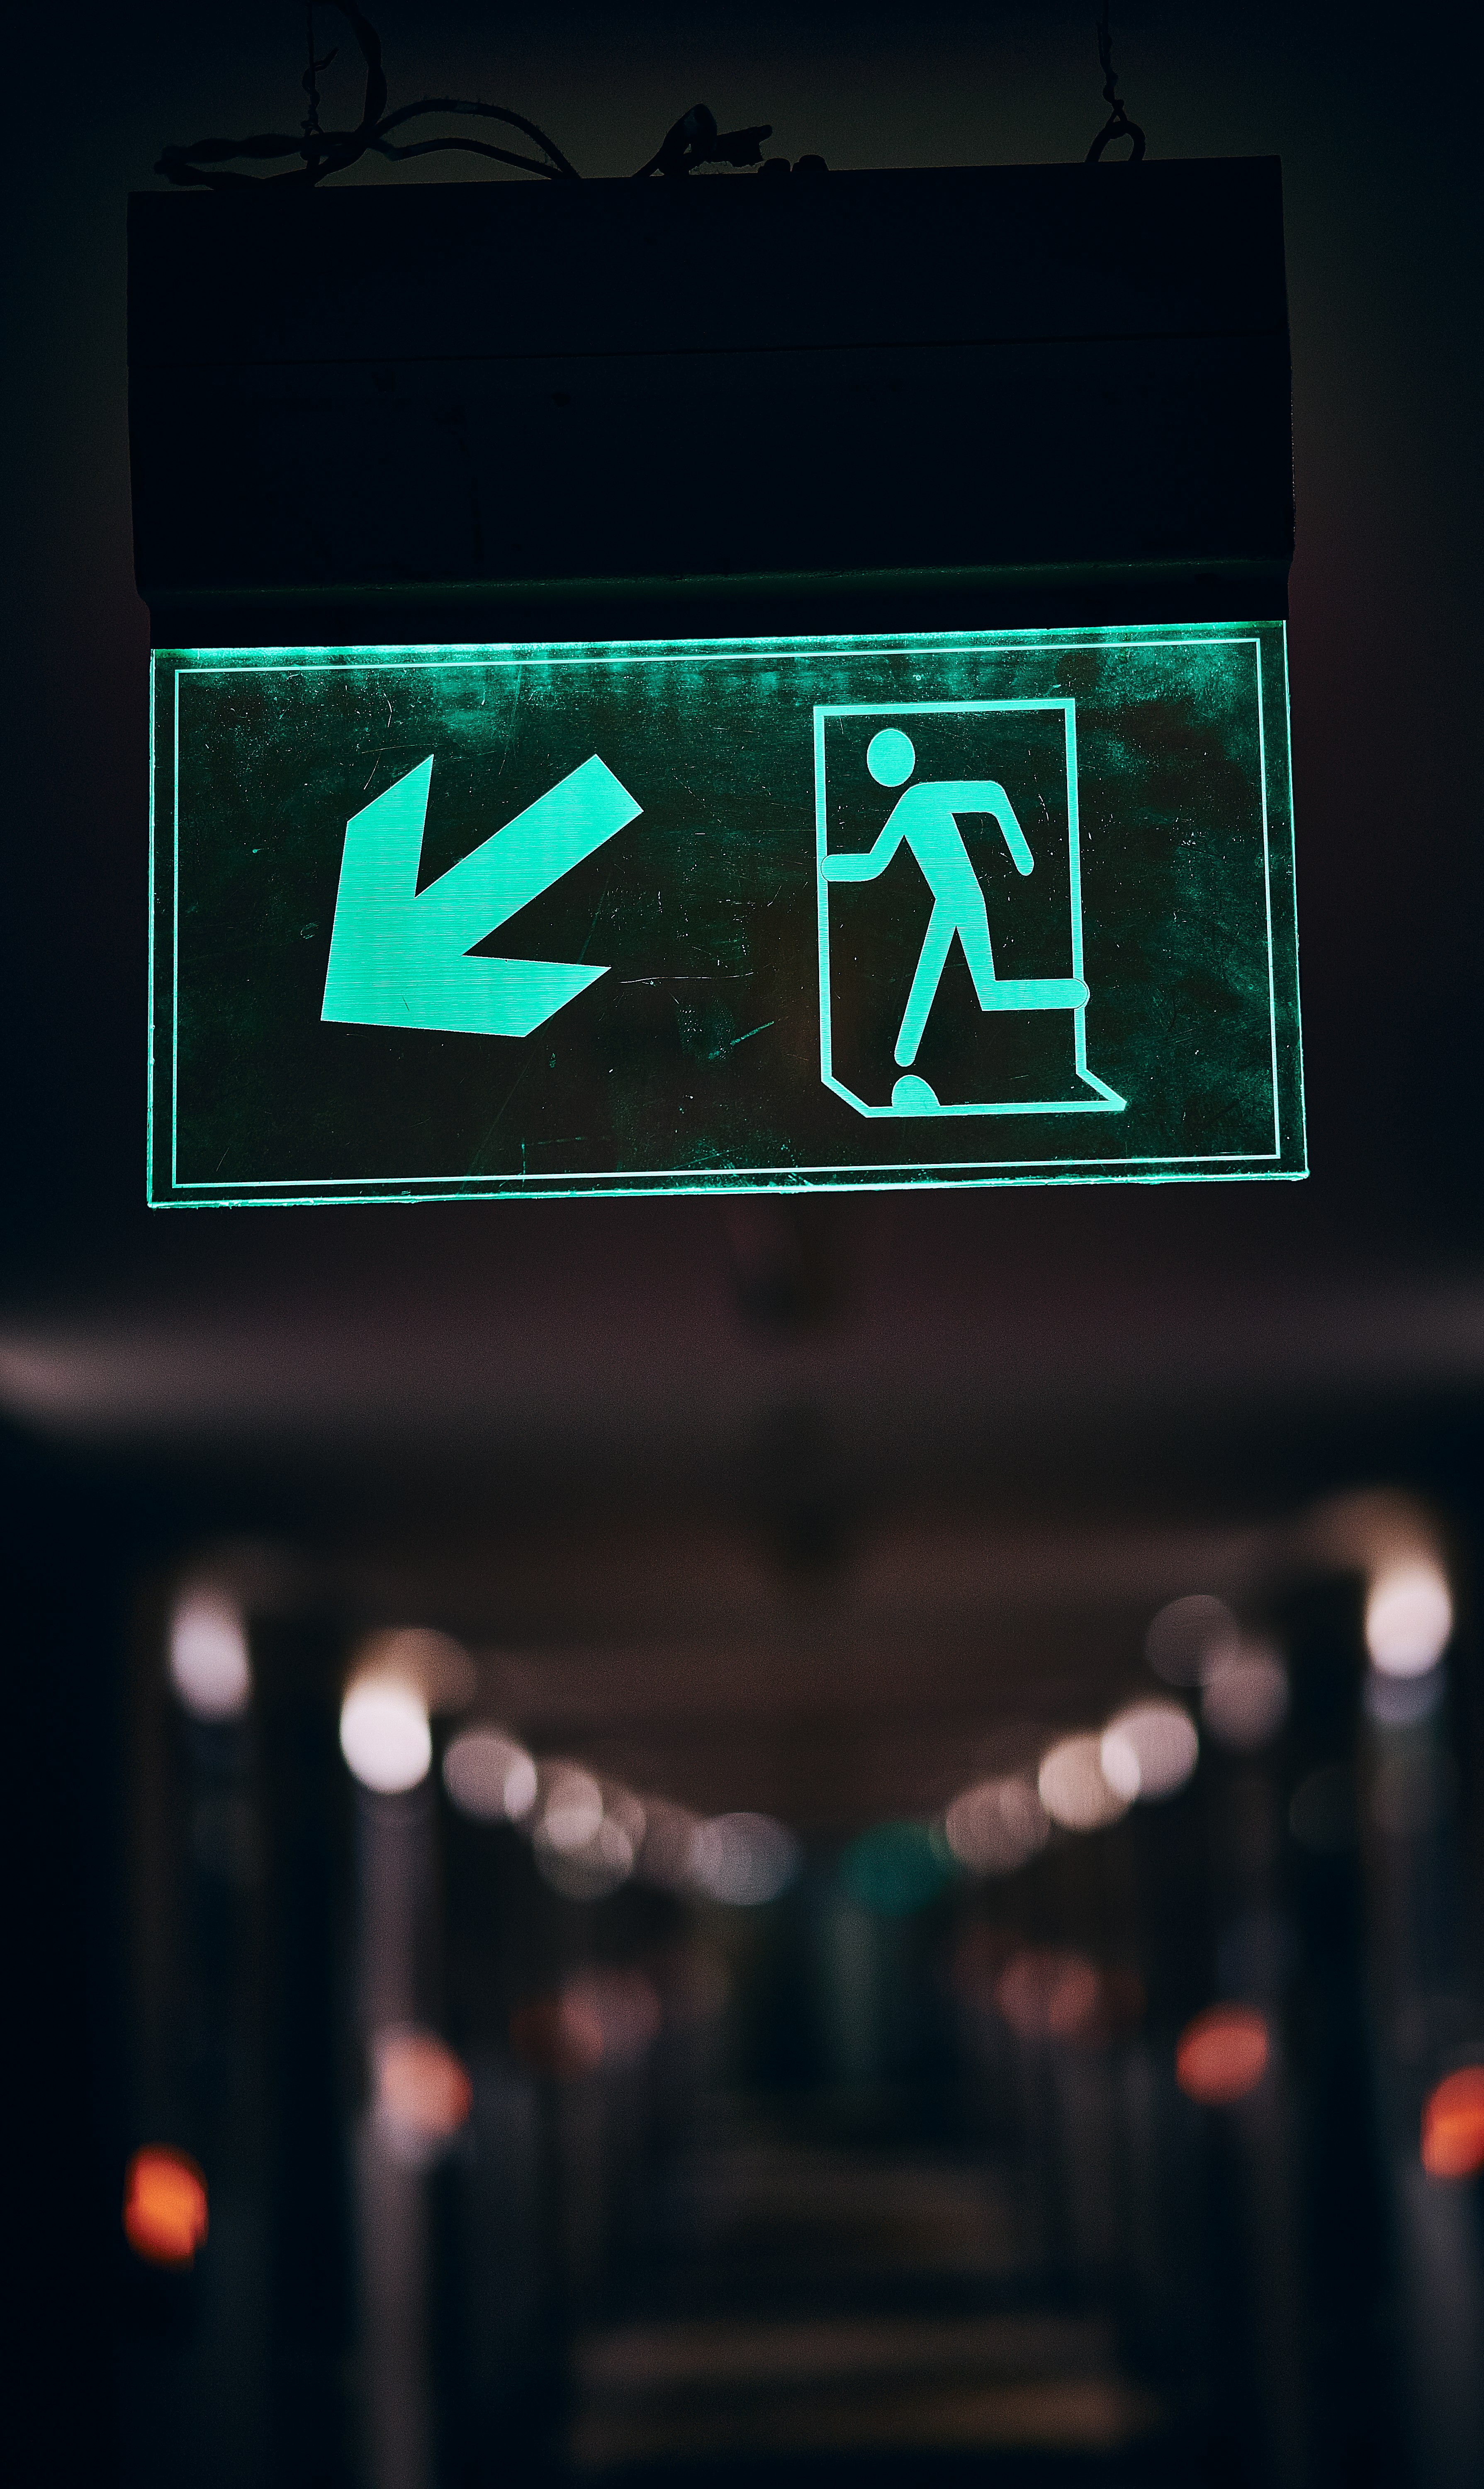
<point>694,140</point>
<point>1118,124</point>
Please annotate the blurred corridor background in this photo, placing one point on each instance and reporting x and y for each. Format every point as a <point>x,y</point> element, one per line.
<point>941,2002</point>
<point>828,1840</point>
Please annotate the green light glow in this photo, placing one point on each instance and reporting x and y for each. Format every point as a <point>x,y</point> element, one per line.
<point>878,905</point>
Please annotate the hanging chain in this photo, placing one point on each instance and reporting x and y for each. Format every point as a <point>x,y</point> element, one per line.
<point>1118,124</point>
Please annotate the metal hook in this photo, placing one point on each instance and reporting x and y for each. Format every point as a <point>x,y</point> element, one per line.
<point>1118,124</point>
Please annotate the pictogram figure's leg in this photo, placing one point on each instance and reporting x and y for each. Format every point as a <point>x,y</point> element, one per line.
<point>973,939</point>
<point>942,925</point>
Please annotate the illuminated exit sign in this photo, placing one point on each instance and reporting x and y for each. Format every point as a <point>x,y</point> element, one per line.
<point>995,907</point>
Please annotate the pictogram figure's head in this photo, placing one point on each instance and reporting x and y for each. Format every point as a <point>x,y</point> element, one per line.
<point>890,756</point>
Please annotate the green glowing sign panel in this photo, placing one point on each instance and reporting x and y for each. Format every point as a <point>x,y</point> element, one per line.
<point>999,907</point>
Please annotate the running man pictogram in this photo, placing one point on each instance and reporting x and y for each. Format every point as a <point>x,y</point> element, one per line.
<point>926,820</point>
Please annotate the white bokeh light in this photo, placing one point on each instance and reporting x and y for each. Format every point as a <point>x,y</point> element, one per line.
<point>384,1736</point>
<point>209,1666</point>
<point>490,1777</point>
<point>571,1808</point>
<point>1408,1620</point>
<point>743,1860</point>
<point>1148,1751</point>
<point>620,1806</point>
<point>1074,1787</point>
<point>994,1827</point>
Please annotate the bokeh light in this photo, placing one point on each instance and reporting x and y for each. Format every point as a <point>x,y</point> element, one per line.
<point>571,1806</point>
<point>1453,2125</point>
<point>743,1860</point>
<point>1222,2055</point>
<point>588,1869</point>
<point>437,1667</point>
<point>490,1777</point>
<point>608,2015</point>
<point>561,2036</point>
<point>625,2005</point>
<point>896,1868</point>
<point>165,2206</point>
<point>1190,1639</point>
<point>587,1834</point>
<point>1047,1993</point>
<point>996,1826</point>
<point>1401,1701</point>
<point>1244,1702</point>
<point>384,1736</point>
<point>664,1855</point>
<point>1074,1787</point>
<point>1409,1619</point>
<point>1148,1751</point>
<point>423,2095</point>
<point>623,1807</point>
<point>208,1665</point>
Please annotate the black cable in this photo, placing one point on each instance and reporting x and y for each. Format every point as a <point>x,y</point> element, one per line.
<point>1118,124</point>
<point>694,139</point>
<point>490,112</point>
<point>203,164</point>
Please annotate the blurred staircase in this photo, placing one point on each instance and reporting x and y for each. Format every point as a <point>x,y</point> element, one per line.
<point>848,2303</point>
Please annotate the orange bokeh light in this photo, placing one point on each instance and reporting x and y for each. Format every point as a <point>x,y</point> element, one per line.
<point>165,2205</point>
<point>1453,2125</point>
<point>1222,2055</point>
<point>420,2084</point>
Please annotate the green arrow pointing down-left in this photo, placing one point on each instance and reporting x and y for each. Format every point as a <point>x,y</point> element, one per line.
<point>398,955</point>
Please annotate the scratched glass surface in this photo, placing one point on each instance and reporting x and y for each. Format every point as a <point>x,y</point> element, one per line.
<point>993,908</point>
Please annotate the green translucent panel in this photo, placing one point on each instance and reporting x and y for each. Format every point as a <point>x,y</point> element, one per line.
<point>961,908</point>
